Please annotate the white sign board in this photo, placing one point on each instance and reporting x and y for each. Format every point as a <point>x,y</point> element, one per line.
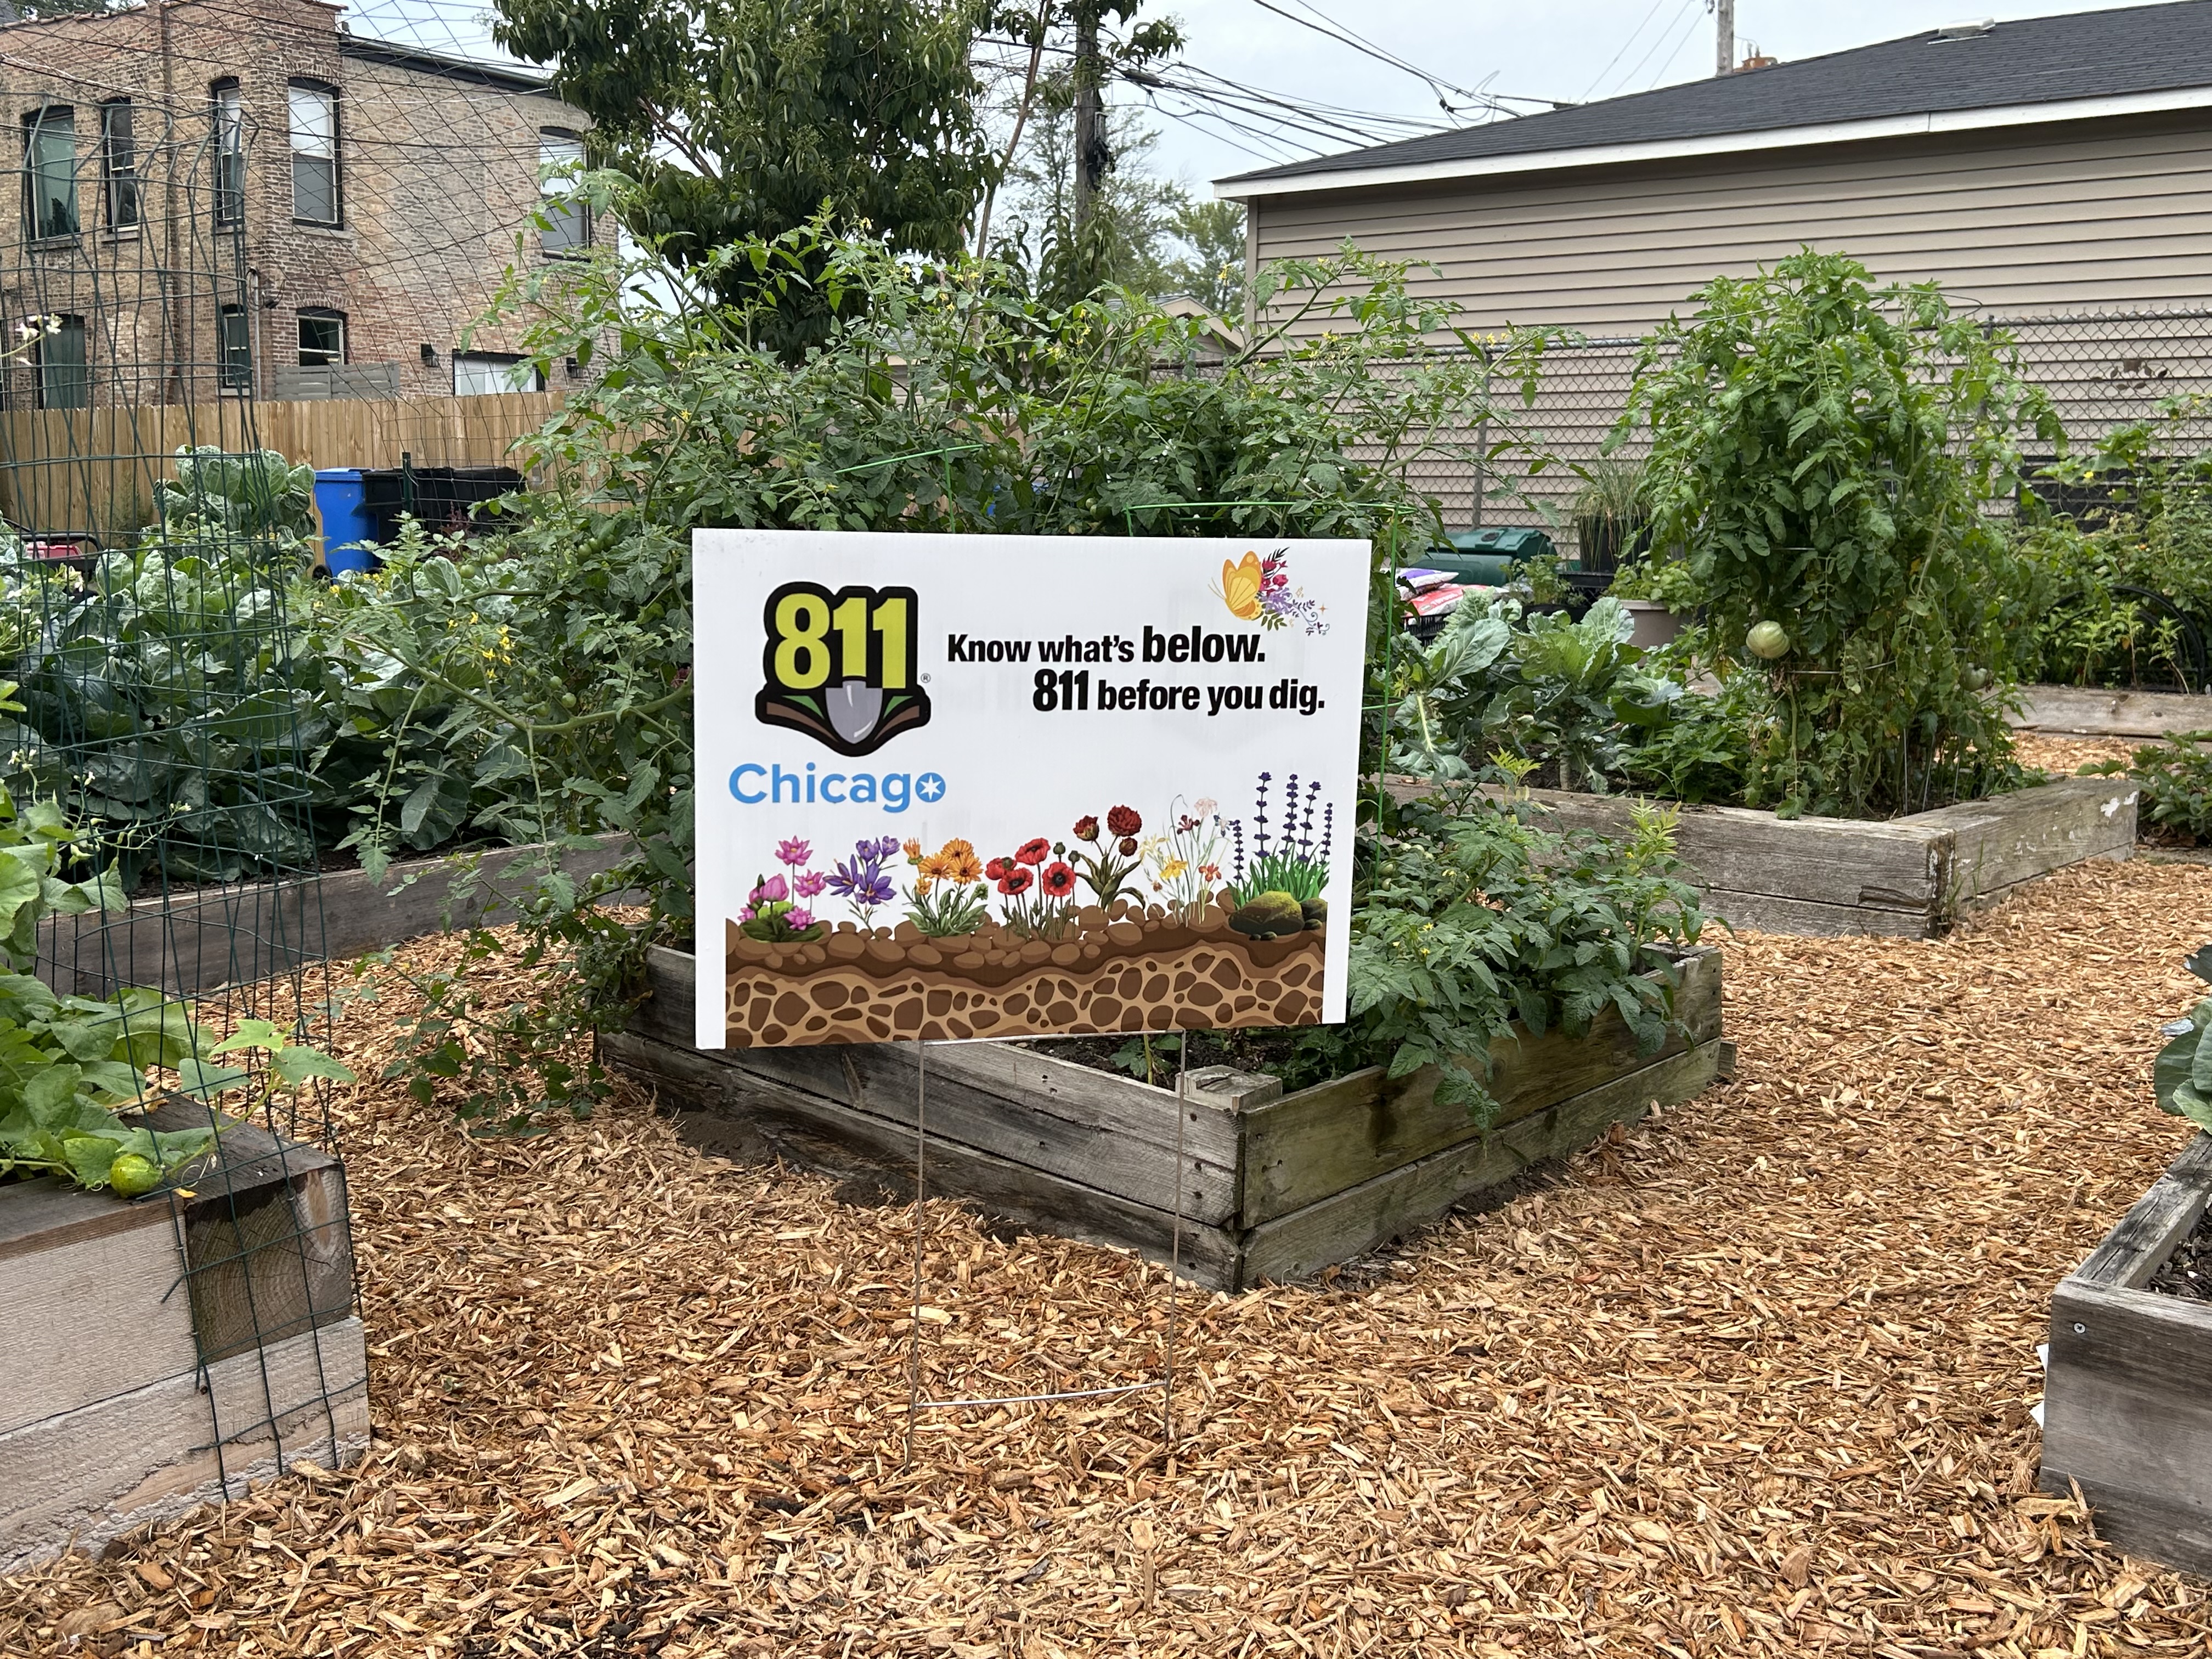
<point>956,786</point>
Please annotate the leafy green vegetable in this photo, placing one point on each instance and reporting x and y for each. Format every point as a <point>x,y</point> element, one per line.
<point>2181,1076</point>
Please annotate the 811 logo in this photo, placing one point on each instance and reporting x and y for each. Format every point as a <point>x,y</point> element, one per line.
<point>841,667</point>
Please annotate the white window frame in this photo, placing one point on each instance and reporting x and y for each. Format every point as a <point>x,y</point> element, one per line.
<point>311,110</point>
<point>479,374</point>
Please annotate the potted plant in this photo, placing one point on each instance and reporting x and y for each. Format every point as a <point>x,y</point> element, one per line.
<point>1611,525</point>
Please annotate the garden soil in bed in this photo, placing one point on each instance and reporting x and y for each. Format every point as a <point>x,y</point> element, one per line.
<point>2188,1271</point>
<point>1755,1378</point>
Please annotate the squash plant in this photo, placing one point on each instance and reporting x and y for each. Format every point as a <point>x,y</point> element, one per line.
<point>73,1069</point>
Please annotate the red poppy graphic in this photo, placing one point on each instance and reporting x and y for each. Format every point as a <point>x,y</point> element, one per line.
<point>1086,828</point>
<point>996,868</point>
<point>1057,879</point>
<point>1033,852</point>
<point>1017,879</point>
<point>1123,821</point>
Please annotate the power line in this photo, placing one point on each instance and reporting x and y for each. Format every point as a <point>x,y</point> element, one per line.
<point>1622,48</point>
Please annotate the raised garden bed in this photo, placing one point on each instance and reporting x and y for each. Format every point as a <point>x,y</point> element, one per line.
<point>194,941</point>
<point>2094,711</point>
<point>161,1353</point>
<point>1910,876</point>
<point>2126,1413</point>
<point>1278,1186</point>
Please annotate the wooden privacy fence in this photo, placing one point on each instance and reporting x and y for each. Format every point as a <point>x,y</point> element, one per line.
<point>91,471</point>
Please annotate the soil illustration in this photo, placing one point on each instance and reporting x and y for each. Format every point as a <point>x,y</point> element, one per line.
<point>1124,969</point>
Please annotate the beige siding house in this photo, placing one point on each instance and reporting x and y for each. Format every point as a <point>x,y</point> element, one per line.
<point>2056,173</point>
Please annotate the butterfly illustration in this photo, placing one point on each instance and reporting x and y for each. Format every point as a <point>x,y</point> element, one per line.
<point>1240,587</point>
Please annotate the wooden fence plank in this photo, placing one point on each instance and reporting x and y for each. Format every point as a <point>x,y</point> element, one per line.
<point>92,471</point>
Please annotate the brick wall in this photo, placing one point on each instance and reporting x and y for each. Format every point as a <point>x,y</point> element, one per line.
<point>439,167</point>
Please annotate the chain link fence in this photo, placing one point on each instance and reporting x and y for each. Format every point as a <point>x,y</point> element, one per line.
<point>2103,370</point>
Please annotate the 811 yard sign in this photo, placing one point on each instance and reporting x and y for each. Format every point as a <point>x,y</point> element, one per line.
<point>990,787</point>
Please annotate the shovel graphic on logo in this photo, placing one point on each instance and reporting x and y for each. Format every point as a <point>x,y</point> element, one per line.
<point>839,666</point>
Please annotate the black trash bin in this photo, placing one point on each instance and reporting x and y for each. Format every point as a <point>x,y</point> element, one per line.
<point>441,498</point>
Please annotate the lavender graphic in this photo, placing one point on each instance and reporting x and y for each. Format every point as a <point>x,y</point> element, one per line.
<point>1294,860</point>
<point>860,881</point>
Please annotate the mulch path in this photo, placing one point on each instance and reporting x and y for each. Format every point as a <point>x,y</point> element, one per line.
<point>1752,1377</point>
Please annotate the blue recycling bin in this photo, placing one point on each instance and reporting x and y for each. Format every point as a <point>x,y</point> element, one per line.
<point>349,530</point>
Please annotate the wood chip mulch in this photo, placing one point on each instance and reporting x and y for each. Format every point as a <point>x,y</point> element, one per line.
<point>1753,1378</point>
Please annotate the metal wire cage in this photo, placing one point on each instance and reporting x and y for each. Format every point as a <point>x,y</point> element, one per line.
<point>150,622</point>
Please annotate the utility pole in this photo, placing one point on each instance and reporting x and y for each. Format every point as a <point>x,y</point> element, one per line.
<point>1092,158</point>
<point>1723,36</point>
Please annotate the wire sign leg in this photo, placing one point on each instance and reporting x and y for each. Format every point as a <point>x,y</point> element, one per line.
<point>921,1173</point>
<point>915,1404</point>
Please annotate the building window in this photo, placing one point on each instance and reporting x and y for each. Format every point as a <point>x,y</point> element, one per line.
<point>478,373</point>
<point>50,173</point>
<point>229,154</point>
<point>64,382</point>
<point>118,165</point>
<point>322,338</point>
<point>234,341</point>
<point>315,154</point>
<point>567,223</point>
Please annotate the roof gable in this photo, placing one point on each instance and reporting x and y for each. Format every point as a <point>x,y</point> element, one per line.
<point>2058,61</point>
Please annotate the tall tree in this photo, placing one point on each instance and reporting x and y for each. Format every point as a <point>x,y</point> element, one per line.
<point>748,118</point>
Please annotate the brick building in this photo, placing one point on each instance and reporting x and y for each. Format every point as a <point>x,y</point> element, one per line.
<point>222,197</point>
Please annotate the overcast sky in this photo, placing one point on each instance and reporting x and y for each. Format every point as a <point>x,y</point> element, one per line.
<point>1555,49</point>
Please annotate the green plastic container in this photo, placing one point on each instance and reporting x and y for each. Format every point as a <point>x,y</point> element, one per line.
<point>1487,558</point>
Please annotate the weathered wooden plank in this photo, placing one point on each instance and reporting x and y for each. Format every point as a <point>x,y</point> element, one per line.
<point>1118,1151</point>
<point>1770,913</point>
<point>1907,878</point>
<point>2015,838</point>
<point>87,1307</point>
<point>1104,1131</point>
<point>2095,712</point>
<point>767,1118</point>
<point>1889,865</point>
<point>2126,1415</point>
<point>89,1475</point>
<point>2155,1223</point>
<point>1337,1134</point>
<point>1358,1220</point>
<point>241,933</point>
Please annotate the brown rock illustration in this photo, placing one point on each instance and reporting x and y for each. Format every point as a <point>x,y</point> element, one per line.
<point>1134,973</point>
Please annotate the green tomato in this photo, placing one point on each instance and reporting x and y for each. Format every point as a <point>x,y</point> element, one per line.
<point>1767,639</point>
<point>133,1174</point>
<point>1975,679</point>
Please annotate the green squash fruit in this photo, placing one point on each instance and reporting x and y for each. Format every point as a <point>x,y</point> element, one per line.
<point>1767,641</point>
<point>132,1174</point>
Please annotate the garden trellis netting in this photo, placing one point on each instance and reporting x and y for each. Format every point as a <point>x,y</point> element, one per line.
<point>149,541</point>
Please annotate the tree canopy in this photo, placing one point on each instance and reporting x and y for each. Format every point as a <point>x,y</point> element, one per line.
<point>748,119</point>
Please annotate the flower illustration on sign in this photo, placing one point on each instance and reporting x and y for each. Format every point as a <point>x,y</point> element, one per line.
<point>1259,590</point>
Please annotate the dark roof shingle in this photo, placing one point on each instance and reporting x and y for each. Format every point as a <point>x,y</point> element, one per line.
<point>2140,48</point>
